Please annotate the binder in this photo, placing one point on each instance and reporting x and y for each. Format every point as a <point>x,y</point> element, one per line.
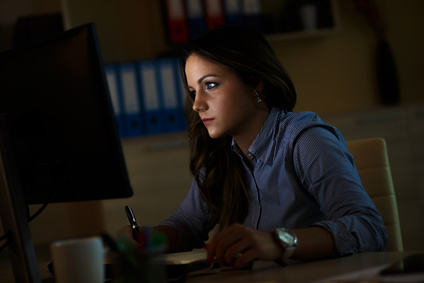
<point>214,13</point>
<point>232,11</point>
<point>131,100</point>
<point>116,97</point>
<point>195,18</point>
<point>176,19</point>
<point>148,79</point>
<point>169,87</point>
<point>252,12</point>
<point>182,98</point>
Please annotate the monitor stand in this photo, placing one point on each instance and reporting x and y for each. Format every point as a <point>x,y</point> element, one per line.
<point>13,214</point>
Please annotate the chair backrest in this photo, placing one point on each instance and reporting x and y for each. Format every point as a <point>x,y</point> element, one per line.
<point>372,161</point>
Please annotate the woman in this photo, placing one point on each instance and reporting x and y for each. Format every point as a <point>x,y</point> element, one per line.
<point>279,184</point>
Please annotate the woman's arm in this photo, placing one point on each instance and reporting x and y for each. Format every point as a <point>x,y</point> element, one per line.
<point>313,243</point>
<point>238,245</point>
<point>326,170</point>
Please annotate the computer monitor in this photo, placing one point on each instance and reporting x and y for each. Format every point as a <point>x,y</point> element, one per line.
<point>59,137</point>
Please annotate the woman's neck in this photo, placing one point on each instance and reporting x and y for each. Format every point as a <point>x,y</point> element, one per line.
<point>244,141</point>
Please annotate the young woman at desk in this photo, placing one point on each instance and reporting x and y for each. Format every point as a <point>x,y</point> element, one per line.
<point>279,184</point>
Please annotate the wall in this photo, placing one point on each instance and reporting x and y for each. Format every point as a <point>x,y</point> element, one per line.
<point>336,74</point>
<point>128,30</point>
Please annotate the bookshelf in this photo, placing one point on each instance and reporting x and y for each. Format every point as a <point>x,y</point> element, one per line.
<point>292,20</point>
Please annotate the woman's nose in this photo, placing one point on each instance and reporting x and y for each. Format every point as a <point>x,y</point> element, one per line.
<point>198,104</point>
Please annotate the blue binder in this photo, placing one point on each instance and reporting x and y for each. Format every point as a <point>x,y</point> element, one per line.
<point>233,12</point>
<point>169,88</point>
<point>116,97</point>
<point>181,96</point>
<point>195,18</point>
<point>131,99</point>
<point>148,79</point>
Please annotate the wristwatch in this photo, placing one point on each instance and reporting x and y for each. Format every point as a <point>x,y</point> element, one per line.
<point>287,241</point>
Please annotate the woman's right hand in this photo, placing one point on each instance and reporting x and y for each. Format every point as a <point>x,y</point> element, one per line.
<point>127,231</point>
<point>238,245</point>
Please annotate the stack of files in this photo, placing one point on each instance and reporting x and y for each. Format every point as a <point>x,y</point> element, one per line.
<point>195,18</point>
<point>130,95</point>
<point>116,98</point>
<point>214,13</point>
<point>147,96</point>
<point>233,12</point>
<point>187,19</point>
<point>172,94</point>
<point>176,20</point>
<point>150,95</point>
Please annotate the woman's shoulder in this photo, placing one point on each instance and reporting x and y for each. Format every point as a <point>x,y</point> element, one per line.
<point>290,125</point>
<point>283,130</point>
<point>299,120</point>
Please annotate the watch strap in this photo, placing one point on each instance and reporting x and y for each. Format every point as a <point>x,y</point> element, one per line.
<point>287,240</point>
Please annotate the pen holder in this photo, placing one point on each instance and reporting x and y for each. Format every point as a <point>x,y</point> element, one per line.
<point>143,263</point>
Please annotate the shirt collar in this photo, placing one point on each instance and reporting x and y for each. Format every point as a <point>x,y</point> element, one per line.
<point>263,147</point>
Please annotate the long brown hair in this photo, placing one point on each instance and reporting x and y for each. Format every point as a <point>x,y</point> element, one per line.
<point>215,167</point>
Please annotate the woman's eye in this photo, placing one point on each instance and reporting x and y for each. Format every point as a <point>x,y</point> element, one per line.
<point>210,85</point>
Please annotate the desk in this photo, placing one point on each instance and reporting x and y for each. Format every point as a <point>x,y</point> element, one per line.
<point>270,272</point>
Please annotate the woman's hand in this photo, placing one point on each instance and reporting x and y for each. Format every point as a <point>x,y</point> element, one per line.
<point>238,245</point>
<point>173,242</point>
<point>127,231</point>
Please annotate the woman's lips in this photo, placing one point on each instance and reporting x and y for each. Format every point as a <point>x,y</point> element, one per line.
<point>207,120</point>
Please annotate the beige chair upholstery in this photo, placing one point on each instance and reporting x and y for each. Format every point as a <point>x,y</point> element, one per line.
<point>372,162</point>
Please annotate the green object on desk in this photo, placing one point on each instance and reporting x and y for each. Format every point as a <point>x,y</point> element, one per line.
<point>143,263</point>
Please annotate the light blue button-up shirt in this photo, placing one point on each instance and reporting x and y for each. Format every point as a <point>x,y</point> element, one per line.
<point>302,175</point>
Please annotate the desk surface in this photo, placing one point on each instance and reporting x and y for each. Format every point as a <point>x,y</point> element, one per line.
<point>270,272</point>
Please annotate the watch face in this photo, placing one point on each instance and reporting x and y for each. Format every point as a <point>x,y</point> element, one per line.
<point>287,240</point>
<point>286,237</point>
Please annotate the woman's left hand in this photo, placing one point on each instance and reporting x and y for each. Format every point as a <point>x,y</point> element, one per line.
<point>238,245</point>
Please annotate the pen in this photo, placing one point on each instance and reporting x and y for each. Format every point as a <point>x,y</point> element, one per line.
<point>133,223</point>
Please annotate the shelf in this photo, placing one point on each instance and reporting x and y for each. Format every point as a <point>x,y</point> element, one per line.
<point>300,34</point>
<point>283,20</point>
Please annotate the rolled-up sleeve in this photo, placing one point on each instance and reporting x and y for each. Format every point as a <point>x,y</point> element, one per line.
<point>326,168</point>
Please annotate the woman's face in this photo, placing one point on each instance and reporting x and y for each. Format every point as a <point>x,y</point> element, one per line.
<point>225,104</point>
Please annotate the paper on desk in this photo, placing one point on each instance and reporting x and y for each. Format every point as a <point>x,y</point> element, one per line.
<point>185,257</point>
<point>196,264</point>
<point>372,275</point>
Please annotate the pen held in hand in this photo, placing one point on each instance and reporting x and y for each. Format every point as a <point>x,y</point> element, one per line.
<point>133,222</point>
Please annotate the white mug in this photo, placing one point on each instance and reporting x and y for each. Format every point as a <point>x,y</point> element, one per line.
<point>78,260</point>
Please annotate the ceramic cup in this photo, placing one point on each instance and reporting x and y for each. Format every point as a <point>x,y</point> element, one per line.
<point>78,260</point>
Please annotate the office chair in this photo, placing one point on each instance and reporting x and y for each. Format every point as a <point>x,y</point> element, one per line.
<point>371,160</point>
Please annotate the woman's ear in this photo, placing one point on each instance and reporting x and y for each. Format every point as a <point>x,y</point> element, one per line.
<point>259,87</point>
